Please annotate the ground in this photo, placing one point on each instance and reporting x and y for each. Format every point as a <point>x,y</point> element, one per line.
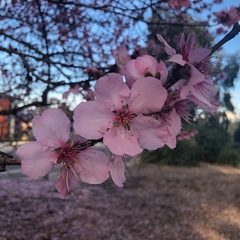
<point>157,203</point>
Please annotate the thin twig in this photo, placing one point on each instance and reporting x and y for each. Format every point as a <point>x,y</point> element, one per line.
<point>232,34</point>
<point>6,159</point>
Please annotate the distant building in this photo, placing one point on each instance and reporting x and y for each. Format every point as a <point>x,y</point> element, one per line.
<point>13,127</point>
<point>4,119</point>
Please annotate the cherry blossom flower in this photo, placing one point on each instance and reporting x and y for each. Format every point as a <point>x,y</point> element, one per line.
<point>53,147</point>
<point>120,115</point>
<point>121,57</point>
<point>74,90</point>
<point>173,123</point>
<point>177,5</point>
<point>195,84</point>
<point>202,94</point>
<point>89,95</point>
<point>145,66</point>
<point>228,18</point>
<point>93,72</point>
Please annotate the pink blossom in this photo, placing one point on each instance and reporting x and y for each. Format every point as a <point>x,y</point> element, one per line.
<point>228,18</point>
<point>53,147</point>
<point>182,107</point>
<point>178,4</point>
<point>197,85</point>
<point>119,115</point>
<point>117,171</point>
<point>89,95</point>
<point>93,72</point>
<point>173,123</point>
<point>145,66</point>
<point>74,90</point>
<point>121,57</point>
<point>202,94</point>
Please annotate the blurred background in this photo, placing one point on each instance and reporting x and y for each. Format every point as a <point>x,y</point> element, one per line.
<point>48,47</point>
<point>51,54</point>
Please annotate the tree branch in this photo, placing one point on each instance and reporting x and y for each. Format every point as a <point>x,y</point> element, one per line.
<point>6,159</point>
<point>232,34</point>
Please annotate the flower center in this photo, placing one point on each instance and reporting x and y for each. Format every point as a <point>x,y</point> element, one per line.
<point>123,117</point>
<point>67,154</point>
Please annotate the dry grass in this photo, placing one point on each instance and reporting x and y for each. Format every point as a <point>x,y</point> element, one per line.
<point>157,202</point>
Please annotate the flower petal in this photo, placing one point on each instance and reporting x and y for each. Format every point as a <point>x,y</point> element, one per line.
<point>120,141</point>
<point>91,119</point>
<point>152,134</point>
<point>36,159</point>
<point>63,184</point>
<point>51,128</point>
<point>112,91</point>
<point>198,54</point>
<point>147,96</point>
<point>163,71</point>
<point>93,166</point>
<point>196,77</point>
<point>204,91</point>
<point>131,73</point>
<point>174,125</point>
<point>169,50</point>
<point>146,63</point>
<point>117,171</point>
<point>177,58</point>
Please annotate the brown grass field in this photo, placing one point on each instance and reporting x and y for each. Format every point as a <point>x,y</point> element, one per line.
<point>157,203</point>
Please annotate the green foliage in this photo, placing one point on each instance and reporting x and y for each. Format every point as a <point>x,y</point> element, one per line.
<point>185,154</point>
<point>227,101</point>
<point>229,157</point>
<point>212,137</point>
<point>236,134</point>
<point>232,68</point>
<point>206,146</point>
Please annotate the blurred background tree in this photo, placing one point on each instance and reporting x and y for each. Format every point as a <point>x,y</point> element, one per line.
<point>49,46</point>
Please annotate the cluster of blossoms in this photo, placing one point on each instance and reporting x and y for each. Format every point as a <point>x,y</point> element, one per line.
<point>227,18</point>
<point>141,108</point>
<point>177,5</point>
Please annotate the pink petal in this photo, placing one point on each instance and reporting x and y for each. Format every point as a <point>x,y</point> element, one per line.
<point>203,94</point>
<point>169,50</point>
<point>197,55</point>
<point>74,90</point>
<point>204,91</point>
<point>196,77</point>
<point>91,119</point>
<point>131,73</point>
<point>174,125</point>
<point>117,171</point>
<point>152,134</point>
<point>112,91</point>
<point>163,71</point>
<point>120,141</point>
<point>93,166</point>
<point>63,184</point>
<point>207,106</point>
<point>36,159</point>
<point>146,63</point>
<point>177,59</point>
<point>147,95</point>
<point>65,94</point>
<point>51,128</point>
